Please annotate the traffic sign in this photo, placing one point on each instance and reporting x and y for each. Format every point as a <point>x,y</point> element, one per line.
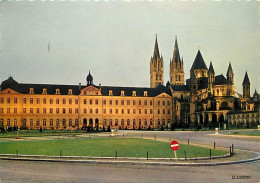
<point>174,145</point>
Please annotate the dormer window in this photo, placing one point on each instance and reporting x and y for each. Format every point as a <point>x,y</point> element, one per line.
<point>70,92</point>
<point>145,93</point>
<point>122,93</point>
<point>110,93</point>
<point>134,94</point>
<point>57,91</point>
<point>31,91</point>
<point>44,91</point>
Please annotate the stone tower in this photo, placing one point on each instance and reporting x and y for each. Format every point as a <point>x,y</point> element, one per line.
<point>156,67</point>
<point>176,67</point>
<point>246,87</point>
<point>211,79</point>
<point>230,74</point>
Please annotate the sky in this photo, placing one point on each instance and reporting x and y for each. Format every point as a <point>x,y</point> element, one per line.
<point>115,39</point>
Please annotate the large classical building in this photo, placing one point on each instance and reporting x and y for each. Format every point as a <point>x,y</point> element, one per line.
<point>204,99</point>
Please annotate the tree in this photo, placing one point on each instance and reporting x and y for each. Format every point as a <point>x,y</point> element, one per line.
<point>104,128</point>
<point>162,129</point>
<point>40,129</point>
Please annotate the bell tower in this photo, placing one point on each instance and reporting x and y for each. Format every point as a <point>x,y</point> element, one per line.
<point>156,67</point>
<point>176,67</point>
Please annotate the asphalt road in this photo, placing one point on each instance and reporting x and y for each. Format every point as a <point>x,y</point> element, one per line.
<point>25,171</point>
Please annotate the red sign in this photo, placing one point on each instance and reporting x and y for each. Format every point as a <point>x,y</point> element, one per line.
<point>174,145</point>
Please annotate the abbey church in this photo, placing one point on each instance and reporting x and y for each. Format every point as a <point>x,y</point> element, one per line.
<point>204,99</point>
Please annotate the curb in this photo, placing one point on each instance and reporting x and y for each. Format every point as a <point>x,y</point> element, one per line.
<point>115,162</point>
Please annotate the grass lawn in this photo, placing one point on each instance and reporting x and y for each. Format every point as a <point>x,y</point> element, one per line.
<point>36,133</point>
<point>106,147</point>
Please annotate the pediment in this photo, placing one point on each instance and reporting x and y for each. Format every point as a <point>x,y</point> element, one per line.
<point>9,91</point>
<point>90,90</point>
<point>163,95</point>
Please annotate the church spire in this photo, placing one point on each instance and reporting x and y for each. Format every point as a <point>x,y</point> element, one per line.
<point>156,53</point>
<point>246,80</point>
<point>176,54</point>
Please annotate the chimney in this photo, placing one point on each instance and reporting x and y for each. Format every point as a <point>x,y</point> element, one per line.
<point>79,86</point>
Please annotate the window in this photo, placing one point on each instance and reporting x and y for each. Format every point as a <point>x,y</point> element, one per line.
<point>104,122</point>
<point>85,111</point>
<point>128,102</point>
<point>158,111</point>
<point>85,101</point>
<point>110,93</point>
<point>122,111</point>
<point>31,122</point>
<point>1,110</point>
<point>90,101</point>
<point>122,102</point>
<point>57,122</point>
<point>133,102</point>
<point>57,110</point>
<point>76,101</point>
<point>24,100</point>
<point>70,110</point>
<point>168,111</point>
<point>44,91</point>
<point>76,122</point>
<point>15,110</point>
<point>51,110</point>
<point>57,101</point>
<point>122,122</point>
<point>15,100</point>
<point>70,122</point>
<point>44,101</point>
<point>110,102</point>
<point>110,111</point>
<point>163,122</point>
<point>31,110</point>
<point>8,122</point>
<point>116,102</point>
<point>63,110</point>
<point>24,110</point>
<point>44,122</point>
<point>116,122</point>
<point>168,103</point>
<point>134,111</point>
<point>145,111</point>
<point>163,103</point>
<point>116,111</point>
<point>104,102</point>
<point>145,122</point>
<point>158,102</point>
<point>163,111</point>
<point>140,111</point>
<point>70,101</point>
<point>96,101</point>
<point>64,122</point>
<point>202,73</point>
<point>133,122</point>
<point>151,111</point>
<point>51,122</point>
<point>8,110</point>
<point>96,110</point>
<point>37,122</point>
<point>128,111</point>
<point>51,101</point>
<point>140,102</point>
<point>76,110</point>
<point>44,110</point>
<point>104,111</point>
<point>151,121</point>
<point>8,100</point>
<point>128,122</point>
<point>151,102</point>
<point>15,122</point>
<point>145,102</point>
<point>110,122</point>
<point>64,101</point>
<point>90,111</point>
<point>2,100</point>
<point>57,91</point>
